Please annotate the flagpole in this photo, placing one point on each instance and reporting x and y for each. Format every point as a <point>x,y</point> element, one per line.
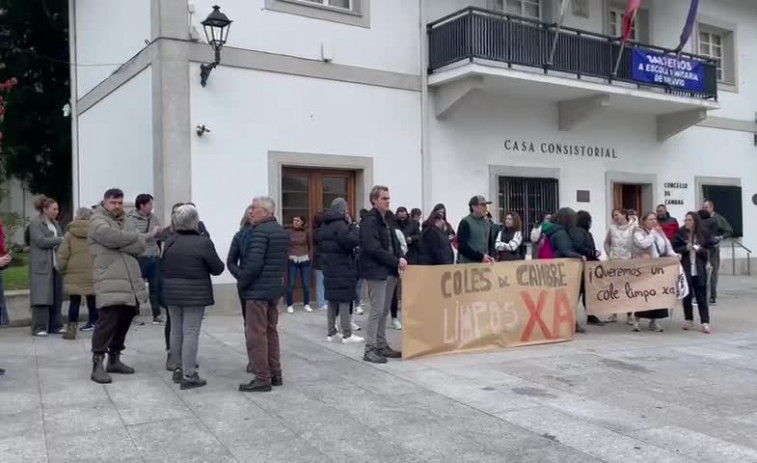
<point>623,43</point>
<point>551,59</point>
<point>620,56</point>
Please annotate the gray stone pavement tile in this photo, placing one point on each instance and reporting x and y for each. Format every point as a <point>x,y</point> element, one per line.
<point>141,399</point>
<point>185,441</point>
<point>14,402</point>
<point>26,448</point>
<point>599,442</point>
<point>696,445</point>
<point>114,444</point>
<point>290,450</point>
<point>25,423</point>
<point>81,418</point>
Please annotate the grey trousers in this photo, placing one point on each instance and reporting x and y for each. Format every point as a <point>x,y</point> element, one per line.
<point>715,263</point>
<point>185,333</point>
<point>344,317</point>
<point>379,298</point>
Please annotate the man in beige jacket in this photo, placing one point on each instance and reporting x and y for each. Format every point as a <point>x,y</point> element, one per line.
<point>118,283</point>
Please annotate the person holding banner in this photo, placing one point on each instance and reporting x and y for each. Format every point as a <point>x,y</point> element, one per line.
<point>693,244</point>
<point>380,263</point>
<point>583,243</point>
<point>619,243</point>
<point>650,242</point>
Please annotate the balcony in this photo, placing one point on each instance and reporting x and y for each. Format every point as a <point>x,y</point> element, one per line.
<point>480,50</point>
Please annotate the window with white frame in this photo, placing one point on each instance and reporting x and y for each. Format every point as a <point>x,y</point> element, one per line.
<point>353,12</point>
<point>615,22</point>
<point>711,44</point>
<point>342,4</point>
<point>527,8</point>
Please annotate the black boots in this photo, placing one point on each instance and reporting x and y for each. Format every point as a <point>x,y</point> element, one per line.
<point>98,372</point>
<point>191,382</point>
<point>178,373</point>
<point>390,353</point>
<point>255,386</point>
<point>277,379</point>
<point>115,365</point>
<point>374,357</point>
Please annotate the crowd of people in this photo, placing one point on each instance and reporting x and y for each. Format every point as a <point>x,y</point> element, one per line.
<point>118,261</point>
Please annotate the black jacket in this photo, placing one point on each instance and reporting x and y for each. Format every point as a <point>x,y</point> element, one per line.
<point>583,243</point>
<point>338,240</point>
<point>379,248</point>
<point>711,229</point>
<point>412,231</point>
<point>188,261</point>
<point>265,260</point>
<point>680,246</point>
<point>435,248</point>
<point>235,258</point>
<point>561,243</point>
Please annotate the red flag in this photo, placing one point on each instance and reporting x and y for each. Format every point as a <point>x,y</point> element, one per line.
<point>630,18</point>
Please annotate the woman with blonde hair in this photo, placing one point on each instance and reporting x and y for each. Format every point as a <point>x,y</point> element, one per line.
<point>46,285</point>
<point>75,264</point>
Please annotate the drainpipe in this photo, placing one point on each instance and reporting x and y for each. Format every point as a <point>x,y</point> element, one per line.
<point>75,185</point>
<point>425,151</point>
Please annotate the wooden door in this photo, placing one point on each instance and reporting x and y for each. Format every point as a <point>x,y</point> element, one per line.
<point>307,192</point>
<point>627,196</point>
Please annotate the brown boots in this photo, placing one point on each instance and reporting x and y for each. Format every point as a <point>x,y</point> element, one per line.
<point>70,333</point>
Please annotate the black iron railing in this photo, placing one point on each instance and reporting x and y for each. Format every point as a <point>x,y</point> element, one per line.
<point>475,33</point>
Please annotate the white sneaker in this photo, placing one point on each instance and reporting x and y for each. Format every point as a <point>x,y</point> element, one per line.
<point>354,339</point>
<point>290,309</point>
<point>61,331</point>
<point>630,320</point>
<point>359,310</point>
<point>332,338</point>
<point>396,324</point>
<point>307,308</point>
<point>355,326</point>
<point>324,307</point>
<point>41,334</point>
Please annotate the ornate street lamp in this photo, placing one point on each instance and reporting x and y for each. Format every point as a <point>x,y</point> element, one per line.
<point>216,27</point>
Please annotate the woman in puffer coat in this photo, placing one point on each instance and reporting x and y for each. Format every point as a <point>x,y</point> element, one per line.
<point>337,239</point>
<point>75,264</point>
<point>189,259</point>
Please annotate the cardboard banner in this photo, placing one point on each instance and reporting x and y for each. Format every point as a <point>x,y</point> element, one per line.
<point>619,286</point>
<point>473,307</point>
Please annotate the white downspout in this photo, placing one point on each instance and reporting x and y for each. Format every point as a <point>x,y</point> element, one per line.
<point>75,184</point>
<point>426,200</point>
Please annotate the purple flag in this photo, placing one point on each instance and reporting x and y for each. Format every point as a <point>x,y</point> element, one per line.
<point>689,27</point>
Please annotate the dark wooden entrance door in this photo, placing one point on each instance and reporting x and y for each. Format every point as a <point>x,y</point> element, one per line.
<point>306,192</point>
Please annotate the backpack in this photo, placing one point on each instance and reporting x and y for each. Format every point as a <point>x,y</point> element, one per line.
<point>546,251</point>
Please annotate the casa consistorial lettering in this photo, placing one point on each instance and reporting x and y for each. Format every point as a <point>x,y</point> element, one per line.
<point>564,149</point>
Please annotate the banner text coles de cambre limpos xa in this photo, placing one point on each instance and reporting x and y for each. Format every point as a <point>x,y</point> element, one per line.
<point>670,70</point>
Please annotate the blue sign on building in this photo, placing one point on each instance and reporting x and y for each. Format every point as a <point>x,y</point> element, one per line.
<point>670,70</point>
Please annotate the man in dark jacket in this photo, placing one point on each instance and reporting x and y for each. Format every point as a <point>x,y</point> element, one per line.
<point>380,263</point>
<point>721,229</point>
<point>412,231</point>
<point>262,281</point>
<point>668,223</point>
<point>338,237</point>
<point>474,240</point>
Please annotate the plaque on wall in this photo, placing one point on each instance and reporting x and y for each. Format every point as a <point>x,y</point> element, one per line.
<point>583,196</point>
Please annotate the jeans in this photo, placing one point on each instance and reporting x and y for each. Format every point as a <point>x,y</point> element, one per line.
<point>48,317</point>
<point>303,268</point>
<point>74,303</point>
<point>320,291</point>
<point>111,329</point>
<point>343,309</point>
<point>263,339</point>
<point>185,335</point>
<point>3,308</point>
<point>359,292</point>
<point>379,296</point>
<point>715,263</point>
<point>150,268</point>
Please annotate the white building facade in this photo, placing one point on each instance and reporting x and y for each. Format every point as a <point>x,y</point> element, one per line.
<point>316,99</point>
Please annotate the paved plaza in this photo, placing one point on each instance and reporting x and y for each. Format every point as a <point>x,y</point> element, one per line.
<point>610,395</point>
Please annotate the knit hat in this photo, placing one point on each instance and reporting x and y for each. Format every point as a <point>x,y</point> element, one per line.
<point>339,204</point>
